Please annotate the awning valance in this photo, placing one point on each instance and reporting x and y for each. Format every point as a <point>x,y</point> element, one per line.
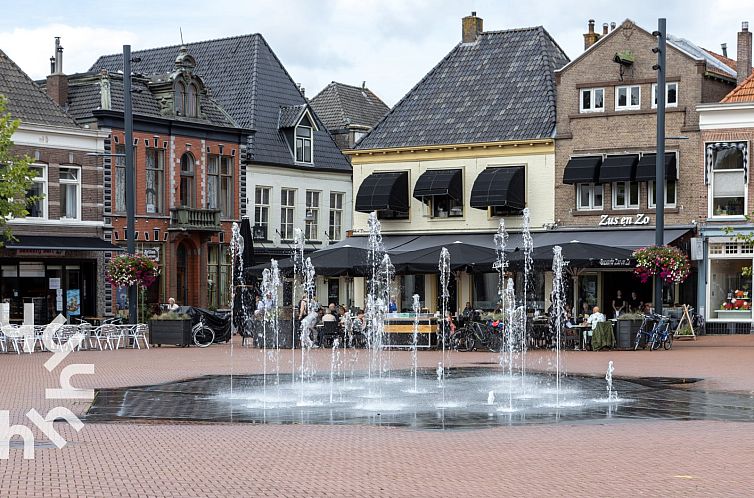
<point>439,182</point>
<point>645,171</point>
<point>52,243</point>
<point>383,191</point>
<point>618,168</point>
<point>583,169</point>
<point>500,187</point>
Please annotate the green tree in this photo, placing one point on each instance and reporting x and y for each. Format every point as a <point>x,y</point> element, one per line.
<point>16,177</point>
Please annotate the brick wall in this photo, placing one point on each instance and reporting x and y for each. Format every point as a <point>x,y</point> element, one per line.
<point>614,132</point>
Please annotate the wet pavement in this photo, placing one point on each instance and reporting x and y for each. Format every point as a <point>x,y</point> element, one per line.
<point>394,401</point>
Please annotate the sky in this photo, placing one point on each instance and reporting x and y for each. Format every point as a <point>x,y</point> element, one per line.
<point>390,44</point>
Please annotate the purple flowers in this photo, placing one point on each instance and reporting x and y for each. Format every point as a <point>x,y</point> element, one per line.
<point>669,263</point>
<point>132,269</point>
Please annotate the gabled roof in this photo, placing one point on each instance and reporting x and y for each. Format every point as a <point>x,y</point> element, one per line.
<point>251,84</point>
<point>87,93</point>
<point>714,63</point>
<point>339,105</point>
<point>742,93</point>
<point>499,88</point>
<point>26,101</point>
<point>290,115</point>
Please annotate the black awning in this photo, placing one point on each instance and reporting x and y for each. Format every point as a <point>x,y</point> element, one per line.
<point>382,191</point>
<point>500,187</point>
<point>45,242</point>
<point>439,182</point>
<point>584,169</point>
<point>645,171</point>
<point>618,168</point>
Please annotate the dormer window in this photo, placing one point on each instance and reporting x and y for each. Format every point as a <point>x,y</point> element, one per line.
<point>303,144</point>
<point>180,98</point>
<point>191,101</point>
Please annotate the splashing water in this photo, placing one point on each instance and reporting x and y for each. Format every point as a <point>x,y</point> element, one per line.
<point>416,307</point>
<point>528,248</point>
<point>298,272</point>
<point>444,267</point>
<point>557,307</point>
<point>491,398</point>
<point>612,395</point>
<point>308,324</point>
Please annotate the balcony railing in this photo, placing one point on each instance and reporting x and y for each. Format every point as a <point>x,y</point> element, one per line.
<point>188,218</point>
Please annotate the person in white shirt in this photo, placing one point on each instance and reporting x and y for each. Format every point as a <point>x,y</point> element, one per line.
<point>172,306</point>
<point>595,318</point>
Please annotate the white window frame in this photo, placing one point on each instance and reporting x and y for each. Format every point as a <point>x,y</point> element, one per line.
<point>306,142</point>
<point>711,189</point>
<point>335,225</point>
<point>628,106</point>
<point>591,92</point>
<point>627,204</point>
<point>262,205</point>
<point>667,88</point>
<point>591,206</point>
<point>650,194</point>
<point>77,183</point>
<point>286,209</point>
<point>313,207</point>
<point>43,180</point>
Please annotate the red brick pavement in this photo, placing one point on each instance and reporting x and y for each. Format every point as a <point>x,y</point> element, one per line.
<point>621,459</point>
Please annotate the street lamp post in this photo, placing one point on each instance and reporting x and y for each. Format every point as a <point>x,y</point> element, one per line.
<point>660,158</point>
<point>128,124</point>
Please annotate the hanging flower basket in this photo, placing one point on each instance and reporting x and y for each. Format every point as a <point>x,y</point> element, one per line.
<point>668,263</point>
<point>132,269</point>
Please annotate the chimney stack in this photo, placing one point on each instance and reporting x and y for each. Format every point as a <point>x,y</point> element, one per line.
<point>743,53</point>
<point>590,38</point>
<point>724,46</point>
<point>612,25</point>
<point>604,28</point>
<point>471,28</point>
<point>57,82</point>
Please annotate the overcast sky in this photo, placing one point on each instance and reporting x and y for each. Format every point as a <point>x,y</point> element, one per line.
<point>389,43</point>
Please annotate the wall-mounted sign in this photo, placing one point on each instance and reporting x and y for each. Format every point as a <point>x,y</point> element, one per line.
<point>40,252</point>
<point>697,248</point>
<point>615,262</point>
<point>152,253</point>
<point>624,221</point>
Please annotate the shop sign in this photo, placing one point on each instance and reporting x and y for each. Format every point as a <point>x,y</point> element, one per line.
<point>624,221</point>
<point>40,252</point>
<point>615,262</point>
<point>152,253</point>
<point>697,248</point>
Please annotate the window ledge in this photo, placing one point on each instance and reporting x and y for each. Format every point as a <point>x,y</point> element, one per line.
<point>626,112</point>
<point>727,218</point>
<point>618,212</point>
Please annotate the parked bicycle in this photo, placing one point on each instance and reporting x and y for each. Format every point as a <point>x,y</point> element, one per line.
<point>202,334</point>
<point>475,335</point>
<point>654,332</point>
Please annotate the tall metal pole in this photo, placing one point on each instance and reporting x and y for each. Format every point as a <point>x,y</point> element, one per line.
<point>660,164</point>
<point>128,124</point>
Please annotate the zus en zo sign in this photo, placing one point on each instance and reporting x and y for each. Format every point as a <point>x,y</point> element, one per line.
<point>624,221</point>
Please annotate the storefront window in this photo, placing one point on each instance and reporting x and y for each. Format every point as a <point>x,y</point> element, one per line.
<point>485,290</point>
<point>730,291</point>
<point>410,285</point>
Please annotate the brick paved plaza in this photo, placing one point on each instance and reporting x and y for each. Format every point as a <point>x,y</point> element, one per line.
<point>668,458</point>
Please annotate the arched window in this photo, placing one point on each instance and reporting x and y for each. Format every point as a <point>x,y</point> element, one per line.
<point>187,188</point>
<point>192,101</point>
<point>180,98</point>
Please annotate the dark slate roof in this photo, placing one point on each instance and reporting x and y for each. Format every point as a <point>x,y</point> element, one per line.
<point>251,84</point>
<point>85,96</point>
<point>290,115</point>
<point>26,101</point>
<point>499,88</point>
<point>339,105</point>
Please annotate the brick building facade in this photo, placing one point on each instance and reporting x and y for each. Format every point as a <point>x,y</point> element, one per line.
<point>605,145</point>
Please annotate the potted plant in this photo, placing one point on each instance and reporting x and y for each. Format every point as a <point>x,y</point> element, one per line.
<point>668,263</point>
<point>170,328</point>
<point>625,329</point>
<point>132,269</point>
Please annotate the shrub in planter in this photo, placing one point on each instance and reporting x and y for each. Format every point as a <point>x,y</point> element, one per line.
<point>170,328</point>
<point>625,329</point>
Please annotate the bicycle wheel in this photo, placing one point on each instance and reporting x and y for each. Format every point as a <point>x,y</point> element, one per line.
<point>638,340</point>
<point>654,341</point>
<point>470,343</point>
<point>203,337</point>
<point>668,342</point>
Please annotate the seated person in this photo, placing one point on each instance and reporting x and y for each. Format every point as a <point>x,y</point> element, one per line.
<point>329,317</point>
<point>595,318</point>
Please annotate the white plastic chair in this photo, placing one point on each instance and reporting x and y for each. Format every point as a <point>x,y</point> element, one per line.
<point>136,332</point>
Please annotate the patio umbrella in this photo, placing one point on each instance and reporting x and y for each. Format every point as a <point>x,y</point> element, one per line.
<point>463,256</point>
<point>336,262</point>
<point>577,254</point>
